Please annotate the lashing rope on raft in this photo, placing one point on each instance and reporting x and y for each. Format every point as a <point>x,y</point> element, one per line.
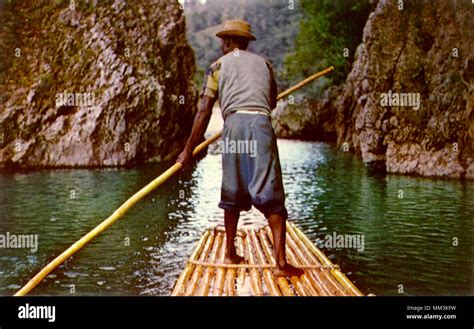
<point>221,265</point>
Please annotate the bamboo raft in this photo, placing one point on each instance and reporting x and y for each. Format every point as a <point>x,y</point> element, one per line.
<point>206,274</point>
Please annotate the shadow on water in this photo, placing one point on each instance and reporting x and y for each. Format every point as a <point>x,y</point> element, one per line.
<point>408,240</point>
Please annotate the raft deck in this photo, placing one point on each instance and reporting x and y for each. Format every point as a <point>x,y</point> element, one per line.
<point>206,274</point>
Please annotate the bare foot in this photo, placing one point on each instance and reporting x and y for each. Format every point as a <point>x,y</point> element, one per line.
<point>288,271</point>
<point>236,259</point>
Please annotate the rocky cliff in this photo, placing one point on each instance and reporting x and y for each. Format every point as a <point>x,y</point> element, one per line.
<point>93,83</point>
<point>407,105</point>
<point>307,119</point>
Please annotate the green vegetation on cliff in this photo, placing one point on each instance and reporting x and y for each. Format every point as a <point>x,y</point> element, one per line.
<point>329,34</point>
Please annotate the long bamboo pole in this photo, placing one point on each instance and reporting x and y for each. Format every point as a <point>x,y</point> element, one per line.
<point>117,214</point>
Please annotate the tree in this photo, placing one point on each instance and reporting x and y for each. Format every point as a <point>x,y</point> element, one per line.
<point>330,32</point>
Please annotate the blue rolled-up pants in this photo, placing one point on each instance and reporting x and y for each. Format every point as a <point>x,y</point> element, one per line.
<point>251,171</point>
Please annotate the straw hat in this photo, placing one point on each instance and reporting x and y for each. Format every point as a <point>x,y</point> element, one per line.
<point>236,28</point>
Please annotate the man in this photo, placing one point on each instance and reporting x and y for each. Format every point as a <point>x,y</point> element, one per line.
<point>244,84</point>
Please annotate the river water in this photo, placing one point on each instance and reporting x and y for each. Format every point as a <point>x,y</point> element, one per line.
<point>418,243</point>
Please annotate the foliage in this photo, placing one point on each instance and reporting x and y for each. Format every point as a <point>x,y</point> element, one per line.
<point>327,29</point>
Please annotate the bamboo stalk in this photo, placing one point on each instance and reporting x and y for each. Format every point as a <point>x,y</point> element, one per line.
<point>255,281</point>
<point>231,274</point>
<point>321,275</point>
<point>221,272</point>
<point>198,269</point>
<point>221,229</point>
<point>313,276</point>
<point>307,280</point>
<point>180,285</point>
<point>340,277</point>
<point>241,273</point>
<point>306,81</point>
<point>297,282</point>
<point>258,266</point>
<point>299,286</point>
<point>206,280</point>
<point>329,280</point>
<point>282,282</point>
<point>229,287</point>
<point>120,212</point>
<point>336,273</point>
<point>267,274</point>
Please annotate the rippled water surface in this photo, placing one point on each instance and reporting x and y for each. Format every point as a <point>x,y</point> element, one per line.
<point>409,241</point>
